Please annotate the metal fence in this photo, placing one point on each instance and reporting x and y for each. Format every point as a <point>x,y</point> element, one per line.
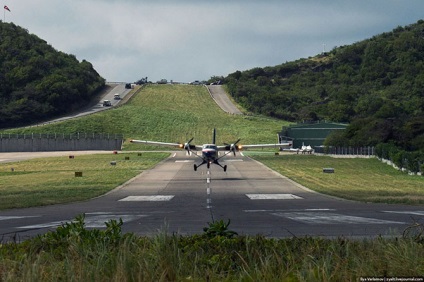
<point>359,151</point>
<point>59,142</point>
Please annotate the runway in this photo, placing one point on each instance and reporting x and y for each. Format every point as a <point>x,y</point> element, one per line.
<point>257,200</point>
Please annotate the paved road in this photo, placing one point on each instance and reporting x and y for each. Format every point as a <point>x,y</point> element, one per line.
<point>114,89</point>
<point>255,198</point>
<point>221,98</point>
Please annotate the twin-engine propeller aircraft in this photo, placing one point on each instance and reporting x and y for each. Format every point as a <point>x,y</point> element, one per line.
<point>210,151</point>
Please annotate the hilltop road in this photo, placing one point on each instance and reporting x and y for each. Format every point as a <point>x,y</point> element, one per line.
<point>221,98</point>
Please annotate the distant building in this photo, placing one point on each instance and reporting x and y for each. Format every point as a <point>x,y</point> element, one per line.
<point>312,134</point>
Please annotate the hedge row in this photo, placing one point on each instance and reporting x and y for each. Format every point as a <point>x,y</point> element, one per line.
<point>411,161</point>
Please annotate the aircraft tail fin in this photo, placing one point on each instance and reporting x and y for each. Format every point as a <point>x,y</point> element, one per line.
<point>214,136</point>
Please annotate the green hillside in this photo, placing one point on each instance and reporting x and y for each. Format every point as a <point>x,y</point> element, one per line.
<point>377,85</point>
<point>38,82</point>
<point>172,113</point>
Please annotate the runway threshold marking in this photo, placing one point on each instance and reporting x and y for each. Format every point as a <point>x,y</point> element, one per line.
<point>91,221</point>
<point>16,217</point>
<point>273,197</point>
<point>421,213</point>
<point>331,218</point>
<point>155,198</point>
<point>290,210</point>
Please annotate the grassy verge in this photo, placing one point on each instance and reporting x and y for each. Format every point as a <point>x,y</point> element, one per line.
<point>73,253</point>
<point>366,180</point>
<point>52,180</point>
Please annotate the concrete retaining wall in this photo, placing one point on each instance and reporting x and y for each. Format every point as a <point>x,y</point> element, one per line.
<point>59,142</point>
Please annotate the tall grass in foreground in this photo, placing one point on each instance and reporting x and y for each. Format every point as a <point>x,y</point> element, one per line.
<point>73,253</point>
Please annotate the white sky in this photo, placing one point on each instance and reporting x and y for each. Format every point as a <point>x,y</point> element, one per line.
<point>186,40</point>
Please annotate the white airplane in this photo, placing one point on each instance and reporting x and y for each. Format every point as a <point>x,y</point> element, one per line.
<point>210,151</point>
<point>304,149</point>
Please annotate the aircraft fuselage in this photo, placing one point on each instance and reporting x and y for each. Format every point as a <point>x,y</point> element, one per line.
<point>210,152</point>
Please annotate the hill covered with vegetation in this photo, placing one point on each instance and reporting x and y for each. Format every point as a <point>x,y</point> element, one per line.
<point>38,82</point>
<point>376,85</point>
<point>169,113</point>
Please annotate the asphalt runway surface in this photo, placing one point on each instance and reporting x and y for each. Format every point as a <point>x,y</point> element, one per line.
<point>173,197</point>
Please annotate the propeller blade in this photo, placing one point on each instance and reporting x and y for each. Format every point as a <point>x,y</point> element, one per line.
<point>187,144</point>
<point>233,147</point>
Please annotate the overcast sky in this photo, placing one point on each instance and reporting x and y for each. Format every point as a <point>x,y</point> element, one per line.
<point>186,40</point>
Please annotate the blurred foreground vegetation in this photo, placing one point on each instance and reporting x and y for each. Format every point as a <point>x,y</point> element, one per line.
<point>74,253</point>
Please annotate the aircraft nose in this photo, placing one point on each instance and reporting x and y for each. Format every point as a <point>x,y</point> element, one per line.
<point>208,153</point>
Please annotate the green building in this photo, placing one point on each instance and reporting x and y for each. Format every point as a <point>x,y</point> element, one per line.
<point>312,134</point>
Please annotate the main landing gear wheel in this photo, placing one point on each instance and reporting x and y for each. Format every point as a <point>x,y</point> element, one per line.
<point>195,167</point>
<point>209,165</point>
<point>225,168</point>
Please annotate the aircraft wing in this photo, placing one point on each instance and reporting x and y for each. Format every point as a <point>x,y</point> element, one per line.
<point>177,145</point>
<point>279,145</point>
<point>231,147</point>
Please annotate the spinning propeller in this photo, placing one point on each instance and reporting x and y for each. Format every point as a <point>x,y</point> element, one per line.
<point>187,146</point>
<point>233,147</point>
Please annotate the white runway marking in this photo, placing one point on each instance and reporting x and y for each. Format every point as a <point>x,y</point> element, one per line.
<point>96,221</point>
<point>185,161</point>
<point>272,196</point>
<point>16,217</point>
<point>332,218</point>
<point>156,198</point>
<point>421,213</point>
<point>236,160</point>
<point>99,220</point>
<point>293,210</point>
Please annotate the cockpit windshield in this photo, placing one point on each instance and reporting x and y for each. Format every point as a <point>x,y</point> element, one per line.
<point>209,146</point>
